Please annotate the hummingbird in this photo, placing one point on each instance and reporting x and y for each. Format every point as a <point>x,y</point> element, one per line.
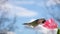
<point>36,22</point>
<point>45,27</point>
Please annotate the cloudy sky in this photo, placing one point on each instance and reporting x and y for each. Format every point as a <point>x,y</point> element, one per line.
<point>29,10</point>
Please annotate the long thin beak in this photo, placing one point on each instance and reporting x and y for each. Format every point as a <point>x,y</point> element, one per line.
<point>25,23</point>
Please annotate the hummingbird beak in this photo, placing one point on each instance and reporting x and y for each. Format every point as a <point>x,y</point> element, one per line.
<point>25,23</point>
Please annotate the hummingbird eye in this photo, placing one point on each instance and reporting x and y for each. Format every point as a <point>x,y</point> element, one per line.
<point>43,21</point>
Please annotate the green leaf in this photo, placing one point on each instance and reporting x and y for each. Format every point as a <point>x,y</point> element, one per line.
<point>58,32</point>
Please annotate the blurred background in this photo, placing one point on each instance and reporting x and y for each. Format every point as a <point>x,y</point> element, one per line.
<point>13,13</point>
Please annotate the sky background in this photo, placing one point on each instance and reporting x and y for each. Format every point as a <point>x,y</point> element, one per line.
<point>28,10</point>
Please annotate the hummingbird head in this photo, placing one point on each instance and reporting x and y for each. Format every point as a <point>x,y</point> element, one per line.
<point>41,21</point>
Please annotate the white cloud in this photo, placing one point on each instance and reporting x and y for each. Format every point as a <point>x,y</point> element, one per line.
<point>48,3</point>
<point>52,2</point>
<point>57,1</point>
<point>27,13</point>
<point>3,1</point>
<point>10,32</point>
<point>20,11</point>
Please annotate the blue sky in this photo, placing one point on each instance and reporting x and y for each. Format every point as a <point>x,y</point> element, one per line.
<point>27,10</point>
